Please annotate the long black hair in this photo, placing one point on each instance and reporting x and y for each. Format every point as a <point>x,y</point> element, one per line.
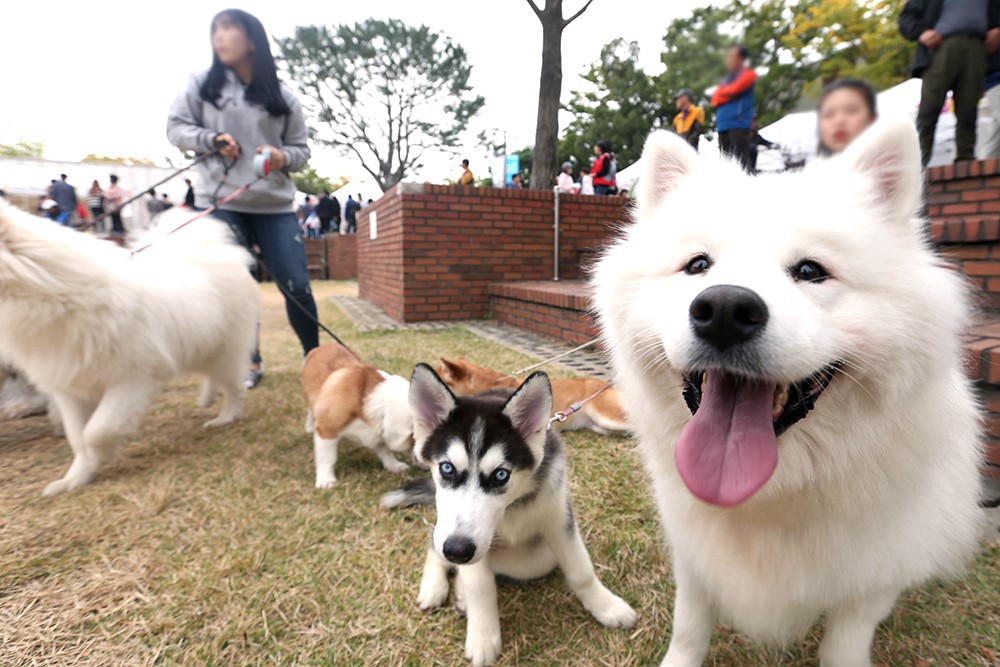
<point>861,87</point>
<point>264,88</point>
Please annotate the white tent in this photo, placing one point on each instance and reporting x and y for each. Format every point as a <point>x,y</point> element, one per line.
<point>796,133</point>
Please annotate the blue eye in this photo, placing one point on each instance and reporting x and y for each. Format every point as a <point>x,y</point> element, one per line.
<point>446,469</point>
<point>501,476</point>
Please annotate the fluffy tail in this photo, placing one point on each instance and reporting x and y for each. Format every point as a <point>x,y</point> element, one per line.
<point>416,492</point>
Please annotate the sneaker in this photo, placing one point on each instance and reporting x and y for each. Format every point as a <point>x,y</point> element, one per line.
<point>254,376</point>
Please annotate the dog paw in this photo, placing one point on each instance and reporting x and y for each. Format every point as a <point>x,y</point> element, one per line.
<point>60,486</point>
<point>326,482</point>
<point>613,612</point>
<point>433,593</point>
<point>396,467</point>
<point>219,421</point>
<point>483,648</point>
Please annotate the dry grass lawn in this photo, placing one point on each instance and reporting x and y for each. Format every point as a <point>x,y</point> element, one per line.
<point>213,548</point>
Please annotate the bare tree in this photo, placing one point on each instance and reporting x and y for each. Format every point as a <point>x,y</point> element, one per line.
<point>546,161</point>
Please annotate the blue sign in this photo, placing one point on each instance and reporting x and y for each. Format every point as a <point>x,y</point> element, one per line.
<point>513,167</point>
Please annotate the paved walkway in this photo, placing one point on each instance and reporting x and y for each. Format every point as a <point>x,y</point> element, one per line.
<point>367,317</point>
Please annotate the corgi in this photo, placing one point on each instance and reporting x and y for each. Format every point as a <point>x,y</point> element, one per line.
<point>352,401</point>
<point>603,414</point>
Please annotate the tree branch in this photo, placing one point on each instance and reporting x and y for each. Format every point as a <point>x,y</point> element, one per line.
<point>577,15</point>
<point>534,8</point>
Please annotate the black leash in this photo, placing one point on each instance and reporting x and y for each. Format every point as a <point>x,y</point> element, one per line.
<point>314,318</point>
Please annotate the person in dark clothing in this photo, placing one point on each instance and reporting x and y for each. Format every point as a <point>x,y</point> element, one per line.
<point>734,101</point>
<point>756,143</point>
<point>351,214</point>
<point>335,218</point>
<point>954,38</point>
<point>65,196</point>
<point>324,211</point>
<point>189,195</point>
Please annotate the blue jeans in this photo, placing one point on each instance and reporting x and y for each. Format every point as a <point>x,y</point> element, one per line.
<point>64,217</point>
<point>280,242</point>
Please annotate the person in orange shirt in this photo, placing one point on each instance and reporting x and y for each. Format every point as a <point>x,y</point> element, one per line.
<point>690,119</point>
<point>466,178</point>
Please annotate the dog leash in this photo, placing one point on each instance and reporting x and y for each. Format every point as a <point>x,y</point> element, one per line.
<point>575,407</point>
<point>261,170</point>
<point>151,188</point>
<point>513,376</point>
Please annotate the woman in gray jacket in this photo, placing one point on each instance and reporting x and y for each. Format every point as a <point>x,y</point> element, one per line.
<point>239,104</point>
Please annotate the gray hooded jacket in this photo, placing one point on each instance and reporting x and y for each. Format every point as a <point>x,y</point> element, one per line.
<point>194,123</point>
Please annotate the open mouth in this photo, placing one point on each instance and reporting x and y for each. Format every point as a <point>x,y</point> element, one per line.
<point>729,449</point>
<point>791,402</point>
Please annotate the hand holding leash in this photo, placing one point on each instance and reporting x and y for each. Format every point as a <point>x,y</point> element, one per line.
<point>228,148</point>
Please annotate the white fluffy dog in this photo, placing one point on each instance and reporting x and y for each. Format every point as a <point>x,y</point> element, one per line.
<point>102,331</point>
<point>831,460</point>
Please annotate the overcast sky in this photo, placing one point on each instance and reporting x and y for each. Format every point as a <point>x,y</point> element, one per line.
<point>99,78</point>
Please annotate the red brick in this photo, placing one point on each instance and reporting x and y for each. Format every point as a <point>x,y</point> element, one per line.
<point>981,195</point>
<point>959,209</point>
<point>987,268</point>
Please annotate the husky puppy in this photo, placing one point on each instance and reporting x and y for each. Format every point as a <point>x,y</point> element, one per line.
<point>793,370</point>
<point>102,331</point>
<point>502,501</point>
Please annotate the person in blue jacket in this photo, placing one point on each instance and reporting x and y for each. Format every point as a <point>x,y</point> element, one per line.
<point>733,102</point>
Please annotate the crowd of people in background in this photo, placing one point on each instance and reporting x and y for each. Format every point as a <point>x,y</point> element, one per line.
<point>324,215</point>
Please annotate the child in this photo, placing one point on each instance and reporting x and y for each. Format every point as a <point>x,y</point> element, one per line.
<point>846,109</point>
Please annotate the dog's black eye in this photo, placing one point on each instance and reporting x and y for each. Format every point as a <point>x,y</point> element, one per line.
<point>699,264</point>
<point>446,469</point>
<point>501,475</point>
<point>809,271</point>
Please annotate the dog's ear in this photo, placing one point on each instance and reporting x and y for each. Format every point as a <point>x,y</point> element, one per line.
<point>888,155</point>
<point>451,371</point>
<point>530,408</point>
<point>666,161</point>
<point>430,402</point>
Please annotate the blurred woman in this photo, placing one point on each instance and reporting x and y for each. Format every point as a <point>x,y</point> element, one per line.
<point>95,202</point>
<point>240,105</point>
<point>847,108</point>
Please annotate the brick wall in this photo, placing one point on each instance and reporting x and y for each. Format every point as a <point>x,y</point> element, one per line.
<point>341,257</point>
<point>963,203</point>
<point>555,309</point>
<point>439,247</point>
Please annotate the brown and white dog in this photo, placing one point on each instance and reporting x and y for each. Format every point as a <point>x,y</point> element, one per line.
<point>603,414</point>
<point>352,401</point>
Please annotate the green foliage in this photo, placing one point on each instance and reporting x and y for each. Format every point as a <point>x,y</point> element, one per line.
<point>796,46</point>
<point>527,160</point>
<point>856,38</point>
<point>382,90</point>
<point>134,161</point>
<point>308,181</point>
<point>23,149</point>
<point>621,105</point>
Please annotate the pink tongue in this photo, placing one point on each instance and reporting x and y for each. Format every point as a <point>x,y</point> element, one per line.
<point>728,450</point>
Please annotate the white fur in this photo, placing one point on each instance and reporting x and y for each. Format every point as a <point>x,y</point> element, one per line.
<point>102,331</point>
<point>387,426</point>
<point>876,489</point>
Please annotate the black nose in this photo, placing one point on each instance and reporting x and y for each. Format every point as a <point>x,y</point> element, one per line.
<point>727,315</point>
<point>458,549</point>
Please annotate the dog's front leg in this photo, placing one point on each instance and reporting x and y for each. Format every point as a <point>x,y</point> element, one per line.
<point>850,629</point>
<point>434,582</point>
<point>694,621</point>
<point>479,588</point>
<point>571,554</point>
<point>74,413</point>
